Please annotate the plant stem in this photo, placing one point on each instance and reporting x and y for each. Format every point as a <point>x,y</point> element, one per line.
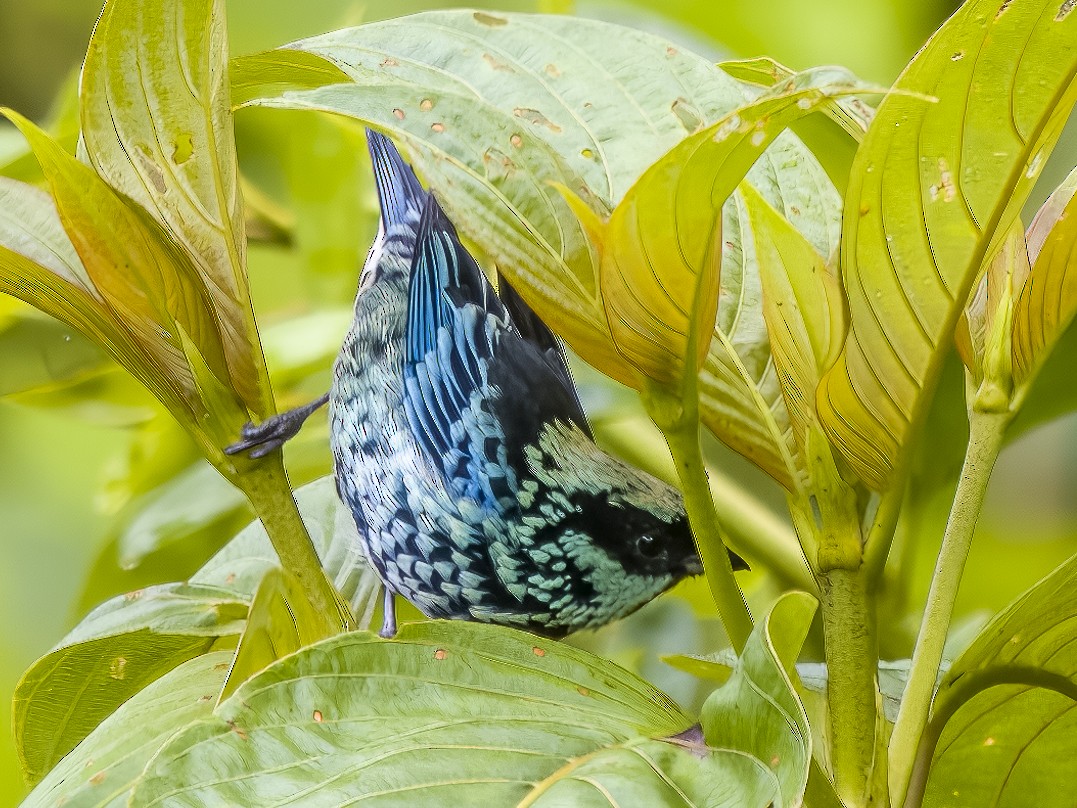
<point>684,445</point>
<point>852,688</point>
<point>986,430</point>
<point>266,486</point>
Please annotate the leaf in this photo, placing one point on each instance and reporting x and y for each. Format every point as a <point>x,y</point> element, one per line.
<point>1004,718</point>
<point>495,111</point>
<point>194,500</point>
<point>1047,300</point>
<point>850,112</point>
<point>662,248</point>
<point>146,285</point>
<point>934,188</point>
<point>447,709</point>
<point>804,310</point>
<point>117,650</point>
<point>757,710</point>
<point>281,621</point>
<point>102,768</point>
<point>157,126</point>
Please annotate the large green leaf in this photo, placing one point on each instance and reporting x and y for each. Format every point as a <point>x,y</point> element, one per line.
<point>495,110</point>
<point>448,712</point>
<point>157,126</point>
<point>1004,721</point>
<point>757,710</point>
<point>934,188</point>
<point>118,649</point>
<point>102,768</point>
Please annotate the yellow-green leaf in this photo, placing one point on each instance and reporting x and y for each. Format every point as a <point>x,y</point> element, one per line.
<point>803,307</point>
<point>663,244</point>
<point>1048,299</point>
<point>157,126</point>
<point>934,189</point>
<point>281,620</point>
<point>146,282</point>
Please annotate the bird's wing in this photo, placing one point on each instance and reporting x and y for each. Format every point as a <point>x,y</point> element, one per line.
<point>476,391</point>
<point>532,329</point>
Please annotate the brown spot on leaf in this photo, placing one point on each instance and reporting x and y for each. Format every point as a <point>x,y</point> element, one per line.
<point>117,668</point>
<point>498,164</point>
<point>133,595</point>
<point>97,779</point>
<point>317,716</point>
<point>440,654</point>
<point>231,579</point>
<point>437,127</point>
<point>389,61</point>
<point>242,733</point>
<point>865,210</point>
<point>553,70</point>
<point>496,63</point>
<point>671,51</point>
<point>957,56</point>
<point>535,117</point>
<point>583,691</point>
<point>1065,9</point>
<point>426,105</point>
<point>516,141</point>
<point>989,741</point>
<point>399,114</point>
<point>1002,9</point>
<point>489,19</point>
<point>538,651</point>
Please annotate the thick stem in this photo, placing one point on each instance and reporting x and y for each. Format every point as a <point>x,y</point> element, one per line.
<point>852,687</point>
<point>986,431</point>
<point>688,457</point>
<point>266,486</point>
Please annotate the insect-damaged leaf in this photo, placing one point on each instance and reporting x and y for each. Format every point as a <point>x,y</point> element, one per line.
<point>449,709</point>
<point>157,126</point>
<point>934,188</point>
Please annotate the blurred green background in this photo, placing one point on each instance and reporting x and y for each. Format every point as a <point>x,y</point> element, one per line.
<point>91,474</point>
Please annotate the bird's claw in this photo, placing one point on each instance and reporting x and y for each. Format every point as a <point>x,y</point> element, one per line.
<point>259,440</point>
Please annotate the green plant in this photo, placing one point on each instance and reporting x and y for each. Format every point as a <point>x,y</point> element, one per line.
<point>658,213</point>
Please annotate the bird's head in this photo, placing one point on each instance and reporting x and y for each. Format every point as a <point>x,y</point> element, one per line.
<point>621,535</point>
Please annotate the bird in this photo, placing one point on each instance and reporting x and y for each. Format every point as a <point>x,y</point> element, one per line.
<point>461,448</point>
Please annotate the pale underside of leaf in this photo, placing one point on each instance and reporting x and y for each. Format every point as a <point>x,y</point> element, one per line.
<point>933,188</point>
<point>1047,301</point>
<point>518,89</point>
<point>157,125</point>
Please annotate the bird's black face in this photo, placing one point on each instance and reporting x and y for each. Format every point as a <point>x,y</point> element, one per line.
<point>642,542</point>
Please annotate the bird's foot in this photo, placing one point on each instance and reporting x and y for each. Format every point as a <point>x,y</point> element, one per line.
<point>268,436</point>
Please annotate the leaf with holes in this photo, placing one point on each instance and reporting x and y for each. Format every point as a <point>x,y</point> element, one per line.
<point>934,189</point>
<point>446,709</point>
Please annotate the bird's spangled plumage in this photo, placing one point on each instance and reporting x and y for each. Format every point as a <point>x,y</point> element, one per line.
<point>462,450</point>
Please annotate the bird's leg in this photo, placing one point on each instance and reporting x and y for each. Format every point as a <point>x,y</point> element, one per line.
<point>260,440</point>
<point>388,623</point>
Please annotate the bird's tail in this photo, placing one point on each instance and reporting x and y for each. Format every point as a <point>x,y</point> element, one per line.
<point>400,194</point>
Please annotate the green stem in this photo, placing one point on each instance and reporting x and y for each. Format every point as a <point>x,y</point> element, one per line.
<point>986,430</point>
<point>852,687</point>
<point>266,486</point>
<point>684,445</point>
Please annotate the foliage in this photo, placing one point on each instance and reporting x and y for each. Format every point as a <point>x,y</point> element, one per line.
<point>662,214</point>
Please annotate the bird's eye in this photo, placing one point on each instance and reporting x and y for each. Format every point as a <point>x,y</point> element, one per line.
<point>649,547</point>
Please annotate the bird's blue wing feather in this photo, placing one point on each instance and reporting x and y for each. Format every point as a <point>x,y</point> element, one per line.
<point>399,190</point>
<point>476,391</point>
